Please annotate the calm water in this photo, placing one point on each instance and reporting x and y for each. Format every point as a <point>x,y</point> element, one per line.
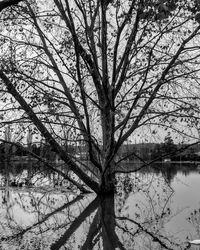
<point>152,209</point>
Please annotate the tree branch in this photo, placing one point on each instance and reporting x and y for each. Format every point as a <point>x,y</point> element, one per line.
<point>43,130</point>
<point>8,3</point>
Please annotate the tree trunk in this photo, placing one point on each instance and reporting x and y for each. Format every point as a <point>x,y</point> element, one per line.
<point>107,181</point>
<point>109,237</point>
<point>108,222</point>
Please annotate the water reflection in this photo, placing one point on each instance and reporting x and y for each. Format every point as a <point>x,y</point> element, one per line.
<point>151,209</point>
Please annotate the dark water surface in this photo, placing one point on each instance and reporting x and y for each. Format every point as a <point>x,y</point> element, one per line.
<point>152,209</point>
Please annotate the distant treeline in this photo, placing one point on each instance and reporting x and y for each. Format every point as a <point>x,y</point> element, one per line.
<point>130,152</point>
<point>161,151</point>
<point>8,150</point>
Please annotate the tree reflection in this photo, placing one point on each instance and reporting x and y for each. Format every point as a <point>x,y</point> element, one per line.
<point>134,218</point>
<point>75,224</point>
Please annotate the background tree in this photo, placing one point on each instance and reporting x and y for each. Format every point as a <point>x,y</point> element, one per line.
<point>104,70</point>
<point>169,146</point>
<point>167,149</point>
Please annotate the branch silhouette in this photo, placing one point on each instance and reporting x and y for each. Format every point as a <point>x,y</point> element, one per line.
<point>21,233</point>
<point>8,3</point>
<point>76,223</point>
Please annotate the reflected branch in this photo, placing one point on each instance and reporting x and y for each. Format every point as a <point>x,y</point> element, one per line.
<point>76,223</point>
<point>154,237</point>
<point>21,233</point>
<point>93,231</point>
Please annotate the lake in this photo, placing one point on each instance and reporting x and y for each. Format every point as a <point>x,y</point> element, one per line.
<point>155,208</point>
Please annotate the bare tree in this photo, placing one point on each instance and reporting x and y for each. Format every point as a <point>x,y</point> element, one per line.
<point>104,70</point>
